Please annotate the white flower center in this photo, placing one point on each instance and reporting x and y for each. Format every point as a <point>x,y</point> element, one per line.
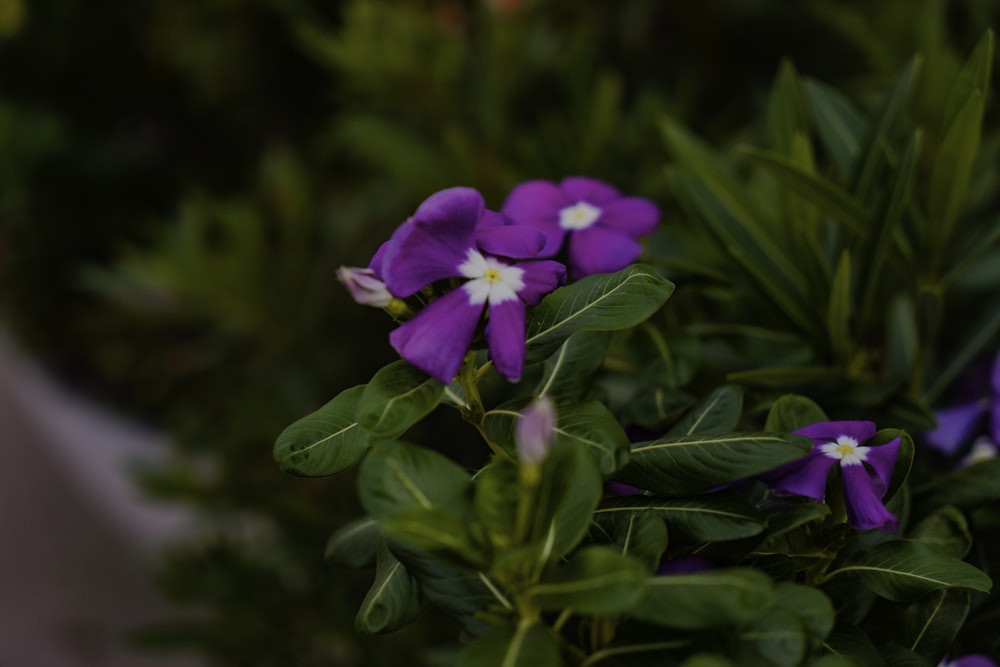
<point>578,216</point>
<point>847,450</point>
<point>490,279</point>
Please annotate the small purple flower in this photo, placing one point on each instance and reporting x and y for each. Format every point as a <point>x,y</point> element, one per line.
<point>865,470</point>
<point>602,226</point>
<point>535,431</point>
<point>452,236</point>
<point>957,423</point>
<point>971,660</point>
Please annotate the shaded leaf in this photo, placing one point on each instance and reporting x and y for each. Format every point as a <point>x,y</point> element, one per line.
<point>715,517</point>
<point>355,545</point>
<point>596,580</point>
<point>326,441</point>
<point>527,645</point>
<point>393,600</point>
<point>398,396</point>
<point>705,599</point>
<point>718,413</point>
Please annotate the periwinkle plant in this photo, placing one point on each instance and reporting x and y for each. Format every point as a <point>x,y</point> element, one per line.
<point>745,539</point>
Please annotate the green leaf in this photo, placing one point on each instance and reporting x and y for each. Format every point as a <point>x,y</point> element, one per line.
<point>603,302</point>
<point>596,580</point>
<point>981,334</point>
<point>945,530</point>
<point>784,376</point>
<point>677,466</point>
<point>711,518</point>
<point>355,545</point>
<point>786,521</point>
<point>929,626</point>
<point>891,116</point>
<point>393,600</point>
<point>775,638</point>
<point>570,490</point>
<point>786,110</point>
<point>952,172</point>
<point>838,310</point>
<point>812,608</point>
<point>840,126</point>
<point>433,530</point>
<point>966,488</point>
<point>705,599</point>
<point>792,412</point>
<point>906,569</point>
<point>817,190</point>
<point>975,76</point>
<point>641,535</point>
<point>527,645</point>
<point>396,398</point>
<point>495,503</point>
<point>851,642</point>
<point>324,442</point>
<point>719,413</point>
<point>567,373</point>
<point>397,478</point>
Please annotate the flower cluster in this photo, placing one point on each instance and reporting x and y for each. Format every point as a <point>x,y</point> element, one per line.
<point>473,263</point>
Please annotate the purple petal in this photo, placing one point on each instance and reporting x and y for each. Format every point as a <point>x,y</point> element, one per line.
<point>505,335</point>
<point>633,215</point>
<point>493,219</point>
<point>599,250</point>
<point>437,338</point>
<point>955,425</point>
<point>882,460</point>
<point>864,508</point>
<point>514,241</point>
<point>830,431</point>
<point>429,246</point>
<point>592,191</point>
<point>537,204</point>
<point>619,489</point>
<point>807,478</point>
<point>376,264</point>
<point>540,277</point>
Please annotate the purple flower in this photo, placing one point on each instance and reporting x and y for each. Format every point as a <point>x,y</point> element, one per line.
<point>535,431</point>
<point>865,471</point>
<point>971,660</point>
<point>602,226</point>
<point>453,236</point>
<point>957,423</point>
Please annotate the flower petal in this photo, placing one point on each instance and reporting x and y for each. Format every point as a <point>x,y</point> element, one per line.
<point>600,250</point>
<point>955,425</point>
<point>537,204</point>
<point>633,215</point>
<point>804,477</point>
<point>830,431</point>
<point>505,335</point>
<point>540,278</point>
<point>864,508</point>
<point>971,660</point>
<point>376,263</point>
<point>882,461</point>
<point>590,190</point>
<point>437,338</point>
<point>429,246</point>
<point>514,241</point>
<point>684,565</point>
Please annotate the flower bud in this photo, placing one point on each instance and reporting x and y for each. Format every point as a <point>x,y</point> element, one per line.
<point>364,287</point>
<point>536,431</point>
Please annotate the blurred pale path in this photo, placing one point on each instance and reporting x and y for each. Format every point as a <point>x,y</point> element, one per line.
<point>74,533</point>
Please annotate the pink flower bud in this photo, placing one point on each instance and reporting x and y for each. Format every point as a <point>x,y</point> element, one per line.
<point>364,287</point>
<point>536,431</point>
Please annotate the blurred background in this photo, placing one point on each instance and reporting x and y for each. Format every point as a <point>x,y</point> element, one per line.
<point>179,181</point>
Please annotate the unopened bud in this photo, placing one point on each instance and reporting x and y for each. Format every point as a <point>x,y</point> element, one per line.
<point>536,430</point>
<point>364,287</point>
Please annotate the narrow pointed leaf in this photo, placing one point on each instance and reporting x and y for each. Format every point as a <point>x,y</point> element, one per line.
<point>840,126</point>
<point>953,171</point>
<point>975,76</point>
<point>326,441</point>
<point>839,309</point>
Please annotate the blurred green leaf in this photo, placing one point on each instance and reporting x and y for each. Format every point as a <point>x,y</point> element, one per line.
<point>394,599</point>
<point>354,545</point>
<point>775,637</point>
<point>974,76</point>
<point>714,517</point>
<point>527,645</point>
<point>841,127</point>
<point>596,580</point>
<point>840,309</point>
<point>326,441</point>
<point>705,599</point>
